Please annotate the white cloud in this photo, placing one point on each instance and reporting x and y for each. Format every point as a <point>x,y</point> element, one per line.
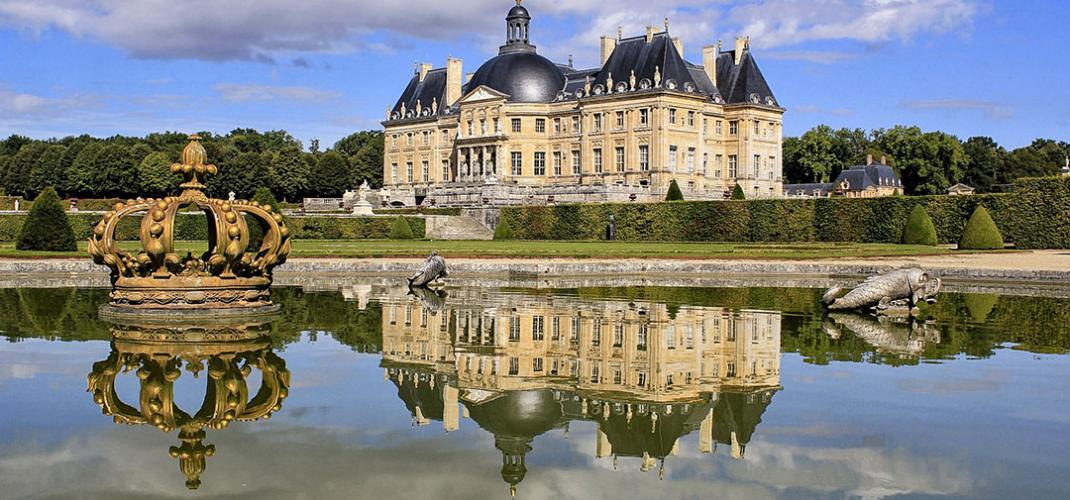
<point>814,56</point>
<point>212,30</point>
<point>24,105</point>
<point>235,92</point>
<point>990,109</point>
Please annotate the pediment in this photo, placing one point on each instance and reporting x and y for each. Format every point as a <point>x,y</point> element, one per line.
<point>483,93</point>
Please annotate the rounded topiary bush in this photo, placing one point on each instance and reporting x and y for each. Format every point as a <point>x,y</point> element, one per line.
<point>919,229</point>
<point>46,227</point>
<point>504,231</point>
<point>401,230</point>
<point>981,232</point>
<point>737,193</point>
<point>674,193</point>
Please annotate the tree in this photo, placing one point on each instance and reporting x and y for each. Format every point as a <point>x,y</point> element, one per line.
<point>984,164</point>
<point>80,173</point>
<point>919,229</point>
<point>242,175</point>
<point>368,162</point>
<point>504,231</point>
<point>17,180</point>
<point>14,143</point>
<point>674,193</point>
<point>5,164</point>
<point>155,177</point>
<point>927,163</point>
<point>401,230</point>
<point>115,172</point>
<point>47,171</point>
<point>981,232</point>
<point>737,193</point>
<point>46,227</point>
<point>292,171</point>
<point>264,197</point>
<point>330,175</point>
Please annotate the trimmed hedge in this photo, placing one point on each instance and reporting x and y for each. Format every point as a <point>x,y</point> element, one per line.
<point>1036,214</point>
<point>400,229</point>
<point>981,232</point>
<point>195,227</point>
<point>920,229</point>
<point>504,232</point>
<point>46,227</point>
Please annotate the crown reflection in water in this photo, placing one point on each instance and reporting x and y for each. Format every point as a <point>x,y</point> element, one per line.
<point>230,277</point>
<point>225,356</point>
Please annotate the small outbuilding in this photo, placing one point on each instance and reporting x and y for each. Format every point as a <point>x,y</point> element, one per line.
<point>960,189</point>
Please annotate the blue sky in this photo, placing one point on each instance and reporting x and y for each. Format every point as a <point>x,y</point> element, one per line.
<point>325,68</point>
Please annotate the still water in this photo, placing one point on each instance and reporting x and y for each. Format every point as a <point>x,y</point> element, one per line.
<point>627,392</point>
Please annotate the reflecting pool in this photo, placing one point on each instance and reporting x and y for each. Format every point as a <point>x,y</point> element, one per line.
<point>363,390</point>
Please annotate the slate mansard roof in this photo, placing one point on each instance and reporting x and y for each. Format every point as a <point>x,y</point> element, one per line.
<point>526,76</point>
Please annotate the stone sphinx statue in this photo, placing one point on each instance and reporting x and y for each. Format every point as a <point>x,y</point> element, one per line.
<point>433,269</point>
<point>894,292</point>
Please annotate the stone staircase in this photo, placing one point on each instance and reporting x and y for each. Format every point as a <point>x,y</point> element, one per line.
<point>456,227</point>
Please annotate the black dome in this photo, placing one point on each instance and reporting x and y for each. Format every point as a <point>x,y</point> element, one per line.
<point>518,11</point>
<point>525,76</point>
<point>523,414</point>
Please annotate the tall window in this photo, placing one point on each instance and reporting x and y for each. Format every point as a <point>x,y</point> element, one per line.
<point>514,329</point>
<point>557,163</point>
<point>597,160</point>
<point>427,138</point>
<point>555,328</point>
<point>575,124</point>
<point>557,126</point>
<point>536,365</point>
<point>672,158</point>
<point>517,163</point>
<point>733,127</point>
<point>620,119</point>
<point>514,366</point>
<point>540,163</point>
<point>644,157</point>
<point>576,162</point>
<point>644,117</point>
<point>618,336</point>
<point>540,125</point>
<point>516,125</point>
<point>408,169</point>
<point>772,167</point>
<point>705,163</point>
<point>620,159</point>
<point>641,340</point>
<point>575,334</point>
<point>690,159</point>
<point>719,127</point>
<point>718,164</point>
<point>426,171</point>
<point>690,118</point>
<point>596,332</point>
<point>597,122</point>
<point>672,116</point>
<point>482,127</point>
<point>445,136</point>
<point>394,173</point>
<point>732,166</point>
<point>445,170</point>
<point>757,166</point>
<point>538,328</point>
<point>757,128</point>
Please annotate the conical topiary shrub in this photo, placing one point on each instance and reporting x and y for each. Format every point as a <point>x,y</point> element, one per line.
<point>46,227</point>
<point>737,193</point>
<point>401,230</point>
<point>674,193</point>
<point>919,229</point>
<point>504,231</point>
<point>981,232</point>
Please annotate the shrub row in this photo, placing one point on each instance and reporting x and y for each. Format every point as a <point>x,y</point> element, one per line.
<point>1035,215</point>
<point>195,227</point>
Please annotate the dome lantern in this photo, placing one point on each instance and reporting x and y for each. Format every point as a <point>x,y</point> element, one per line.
<point>518,36</point>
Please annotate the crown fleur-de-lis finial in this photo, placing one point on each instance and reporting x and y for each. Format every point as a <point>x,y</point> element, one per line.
<point>193,167</point>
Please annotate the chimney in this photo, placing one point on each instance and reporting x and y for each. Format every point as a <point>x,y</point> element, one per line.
<point>468,77</point>
<point>423,69</point>
<point>741,43</point>
<point>679,46</point>
<point>650,31</point>
<point>709,62</point>
<point>453,81</point>
<point>609,44</point>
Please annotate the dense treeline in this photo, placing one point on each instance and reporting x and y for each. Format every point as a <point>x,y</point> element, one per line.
<point>121,167</point>
<point>927,162</point>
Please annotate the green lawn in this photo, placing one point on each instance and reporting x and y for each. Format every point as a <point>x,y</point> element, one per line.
<point>549,249</point>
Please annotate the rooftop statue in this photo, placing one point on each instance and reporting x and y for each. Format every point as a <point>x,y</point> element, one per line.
<point>893,293</point>
<point>228,276</point>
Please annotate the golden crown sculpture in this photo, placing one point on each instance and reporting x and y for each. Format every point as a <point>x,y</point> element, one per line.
<point>228,276</point>
<point>159,363</point>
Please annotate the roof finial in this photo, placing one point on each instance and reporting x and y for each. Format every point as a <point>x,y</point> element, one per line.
<point>620,32</point>
<point>570,60</point>
<point>518,3</point>
<point>666,24</point>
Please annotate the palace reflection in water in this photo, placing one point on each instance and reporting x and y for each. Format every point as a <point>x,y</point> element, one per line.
<point>520,365</point>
